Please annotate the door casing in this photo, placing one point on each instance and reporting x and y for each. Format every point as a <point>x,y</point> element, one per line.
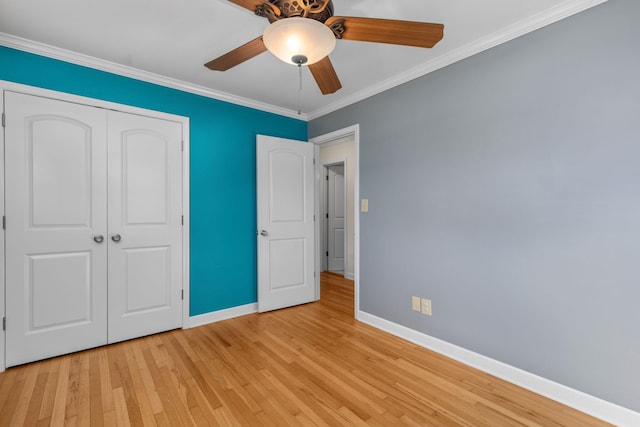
<point>354,131</point>
<point>30,90</point>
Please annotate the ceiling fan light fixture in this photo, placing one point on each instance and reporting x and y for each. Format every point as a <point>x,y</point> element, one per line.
<point>292,38</point>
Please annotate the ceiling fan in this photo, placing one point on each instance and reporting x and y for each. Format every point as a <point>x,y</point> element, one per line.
<point>314,18</point>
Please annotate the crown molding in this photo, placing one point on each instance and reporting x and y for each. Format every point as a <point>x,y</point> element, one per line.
<point>53,52</point>
<point>549,16</point>
<point>542,19</point>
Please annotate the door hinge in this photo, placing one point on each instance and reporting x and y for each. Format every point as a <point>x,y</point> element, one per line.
<point>4,323</point>
<point>327,253</point>
<point>327,177</point>
<point>182,294</point>
<point>181,145</point>
<point>182,220</point>
<point>314,159</point>
<point>3,121</point>
<point>4,222</point>
<point>327,216</point>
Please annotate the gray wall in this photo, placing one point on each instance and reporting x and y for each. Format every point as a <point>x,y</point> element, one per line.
<point>506,188</point>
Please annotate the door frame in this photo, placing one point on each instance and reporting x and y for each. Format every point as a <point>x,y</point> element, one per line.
<point>354,131</point>
<point>62,96</point>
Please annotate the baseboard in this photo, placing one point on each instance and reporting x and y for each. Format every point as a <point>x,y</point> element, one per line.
<point>349,276</point>
<point>583,402</point>
<point>217,316</point>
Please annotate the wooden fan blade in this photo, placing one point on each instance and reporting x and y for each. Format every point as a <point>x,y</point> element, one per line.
<point>248,4</point>
<point>253,4</point>
<point>406,33</point>
<point>325,76</point>
<point>237,56</point>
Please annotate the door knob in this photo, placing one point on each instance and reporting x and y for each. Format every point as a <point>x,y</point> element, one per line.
<point>98,238</point>
<point>264,233</point>
<point>116,237</point>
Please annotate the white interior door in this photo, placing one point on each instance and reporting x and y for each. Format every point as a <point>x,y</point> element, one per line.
<point>336,217</point>
<point>285,184</point>
<point>56,212</point>
<point>145,236</point>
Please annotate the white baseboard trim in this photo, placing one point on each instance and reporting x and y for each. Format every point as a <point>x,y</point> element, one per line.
<point>583,402</point>
<point>349,276</point>
<point>217,316</point>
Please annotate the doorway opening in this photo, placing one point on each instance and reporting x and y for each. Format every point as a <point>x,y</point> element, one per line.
<point>338,154</point>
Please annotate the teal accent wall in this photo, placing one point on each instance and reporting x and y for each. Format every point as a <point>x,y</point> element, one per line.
<point>223,179</point>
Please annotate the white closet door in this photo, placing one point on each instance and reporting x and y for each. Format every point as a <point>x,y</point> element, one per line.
<point>145,236</point>
<point>56,265</point>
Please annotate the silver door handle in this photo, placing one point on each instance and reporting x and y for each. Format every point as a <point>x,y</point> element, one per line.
<point>264,233</point>
<point>116,237</point>
<point>98,238</point>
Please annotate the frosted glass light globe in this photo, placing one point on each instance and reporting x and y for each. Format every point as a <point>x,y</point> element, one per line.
<point>291,37</point>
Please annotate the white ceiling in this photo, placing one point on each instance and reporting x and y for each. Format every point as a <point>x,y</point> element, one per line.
<point>168,41</point>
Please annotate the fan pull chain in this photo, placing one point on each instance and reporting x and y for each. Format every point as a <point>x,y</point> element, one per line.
<point>300,89</point>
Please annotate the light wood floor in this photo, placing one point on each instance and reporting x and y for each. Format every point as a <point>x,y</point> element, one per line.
<point>307,365</point>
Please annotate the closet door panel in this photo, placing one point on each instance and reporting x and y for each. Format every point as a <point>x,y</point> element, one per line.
<point>145,233</point>
<point>55,206</point>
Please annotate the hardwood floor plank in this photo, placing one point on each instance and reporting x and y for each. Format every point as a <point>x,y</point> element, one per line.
<point>9,406</point>
<point>147,385</point>
<point>73,391</point>
<point>349,396</point>
<point>189,369</point>
<point>172,401</point>
<point>6,392</point>
<point>283,398</point>
<point>311,365</point>
<point>120,406</point>
<point>60,395</point>
<point>319,404</point>
<point>106,388</point>
<point>84,396</point>
<point>52,367</point>
<point>141,395</point>
<point>133,407</point>
<point>35,400</point>
<point>28,381</point>
<point>96,408</point>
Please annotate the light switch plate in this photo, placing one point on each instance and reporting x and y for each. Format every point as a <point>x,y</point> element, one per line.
<point>364,205</point>
<point>415,303</point>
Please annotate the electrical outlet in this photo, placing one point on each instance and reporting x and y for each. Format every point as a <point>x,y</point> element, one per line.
<point>415,303</point>
<point>426,306</point>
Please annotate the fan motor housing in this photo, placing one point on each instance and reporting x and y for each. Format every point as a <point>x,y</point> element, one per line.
<point>320,10</point>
